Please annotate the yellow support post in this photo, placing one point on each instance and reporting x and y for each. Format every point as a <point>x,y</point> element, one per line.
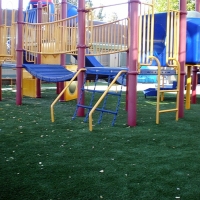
<point>188,87</point>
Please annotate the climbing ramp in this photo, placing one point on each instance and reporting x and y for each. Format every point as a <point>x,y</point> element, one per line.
<point>96,72</point>
<point>103,108</point>
<point>49,73</point>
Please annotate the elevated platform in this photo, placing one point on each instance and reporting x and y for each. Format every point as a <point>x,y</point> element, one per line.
<point>113,71</point>
<point>155,72</point>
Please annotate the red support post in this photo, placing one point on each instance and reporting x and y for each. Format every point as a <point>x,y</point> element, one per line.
<point>1,21</point>
<point>0,82</point>
<point>62,57</point>
<point>19,51</point>
<point>182,54</point>
<point>197,6</point>
<point>127,65</point>
<point>39,20</point>
<point>133,62</point>
<point>194,85</point>
<point>81,51</point>
<point>1,14</point>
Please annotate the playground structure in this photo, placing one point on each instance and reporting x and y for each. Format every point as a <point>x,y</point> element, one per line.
<point>158,45</point>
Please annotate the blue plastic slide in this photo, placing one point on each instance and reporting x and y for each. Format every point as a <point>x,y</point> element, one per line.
<point>192,39</point>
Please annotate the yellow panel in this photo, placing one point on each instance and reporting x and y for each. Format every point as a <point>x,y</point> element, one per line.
<point>71,92</point>
<point>50,59</point>
<point>26,74</point>
<point>72,68</point>
<point>29,87</point>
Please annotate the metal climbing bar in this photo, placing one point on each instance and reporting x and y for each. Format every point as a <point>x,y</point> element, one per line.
<point>98,75</point>
<point>146,32</point>
<point>62,92</point>
<point>118,102</point>
<point>93,94</point>
<point>160,92</point>
<point>102,97</point>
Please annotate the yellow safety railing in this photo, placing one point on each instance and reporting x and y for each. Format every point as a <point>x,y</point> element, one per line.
<point>62,92</point>
<point>8,35</point>
<point>57,14</point>
<point>146,32</point>
<point>160,92</point>
<point>4,33</point>
<point>74,2</point>
<point>46,16</point>
<point>51,38</point>
<point>102,97</point>
<point>172,35</point>
<point>60,36</point>
<point>109,38</point>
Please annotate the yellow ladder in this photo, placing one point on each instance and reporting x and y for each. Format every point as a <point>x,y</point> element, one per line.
<point>161,92</point>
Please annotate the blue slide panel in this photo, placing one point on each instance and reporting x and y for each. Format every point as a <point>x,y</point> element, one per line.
<point>193,41</point>
<point>49,73</point>
<point>91,61</point>
<point>159,49</point>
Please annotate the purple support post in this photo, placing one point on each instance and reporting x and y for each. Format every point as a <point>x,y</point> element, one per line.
<point>81,51</point>
<point>133,62</point>
<point>195,69</point>
<point>62,56</point>
<point>127,64</point>
<point>182,54</point>
<point>194,85</point>
<point>0,82</point>
<point>1,16</point>
<point>1,13</point>
<point>197,5</point>
<point>39,20</point>
<point>19,51</point>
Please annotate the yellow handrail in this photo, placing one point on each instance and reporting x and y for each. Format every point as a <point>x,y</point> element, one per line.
<point>158,89</point>
<point>178,84</point>
<point>102,96</point>
<point>177,67</point>
<point>62,92</point>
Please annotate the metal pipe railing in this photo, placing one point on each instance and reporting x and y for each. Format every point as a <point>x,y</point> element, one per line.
<point>102,96</point>
<point>62,92</point>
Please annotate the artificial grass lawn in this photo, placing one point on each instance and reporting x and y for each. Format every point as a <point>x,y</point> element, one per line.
<point>64,160</point>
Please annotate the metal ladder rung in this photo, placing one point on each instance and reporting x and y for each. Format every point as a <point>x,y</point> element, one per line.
<point>101,91</point>
<point>170,110</point>
<point>162,91</point>
<point>98,109</point>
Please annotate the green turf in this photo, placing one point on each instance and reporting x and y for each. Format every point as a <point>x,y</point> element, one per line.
<point>64,160</point>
